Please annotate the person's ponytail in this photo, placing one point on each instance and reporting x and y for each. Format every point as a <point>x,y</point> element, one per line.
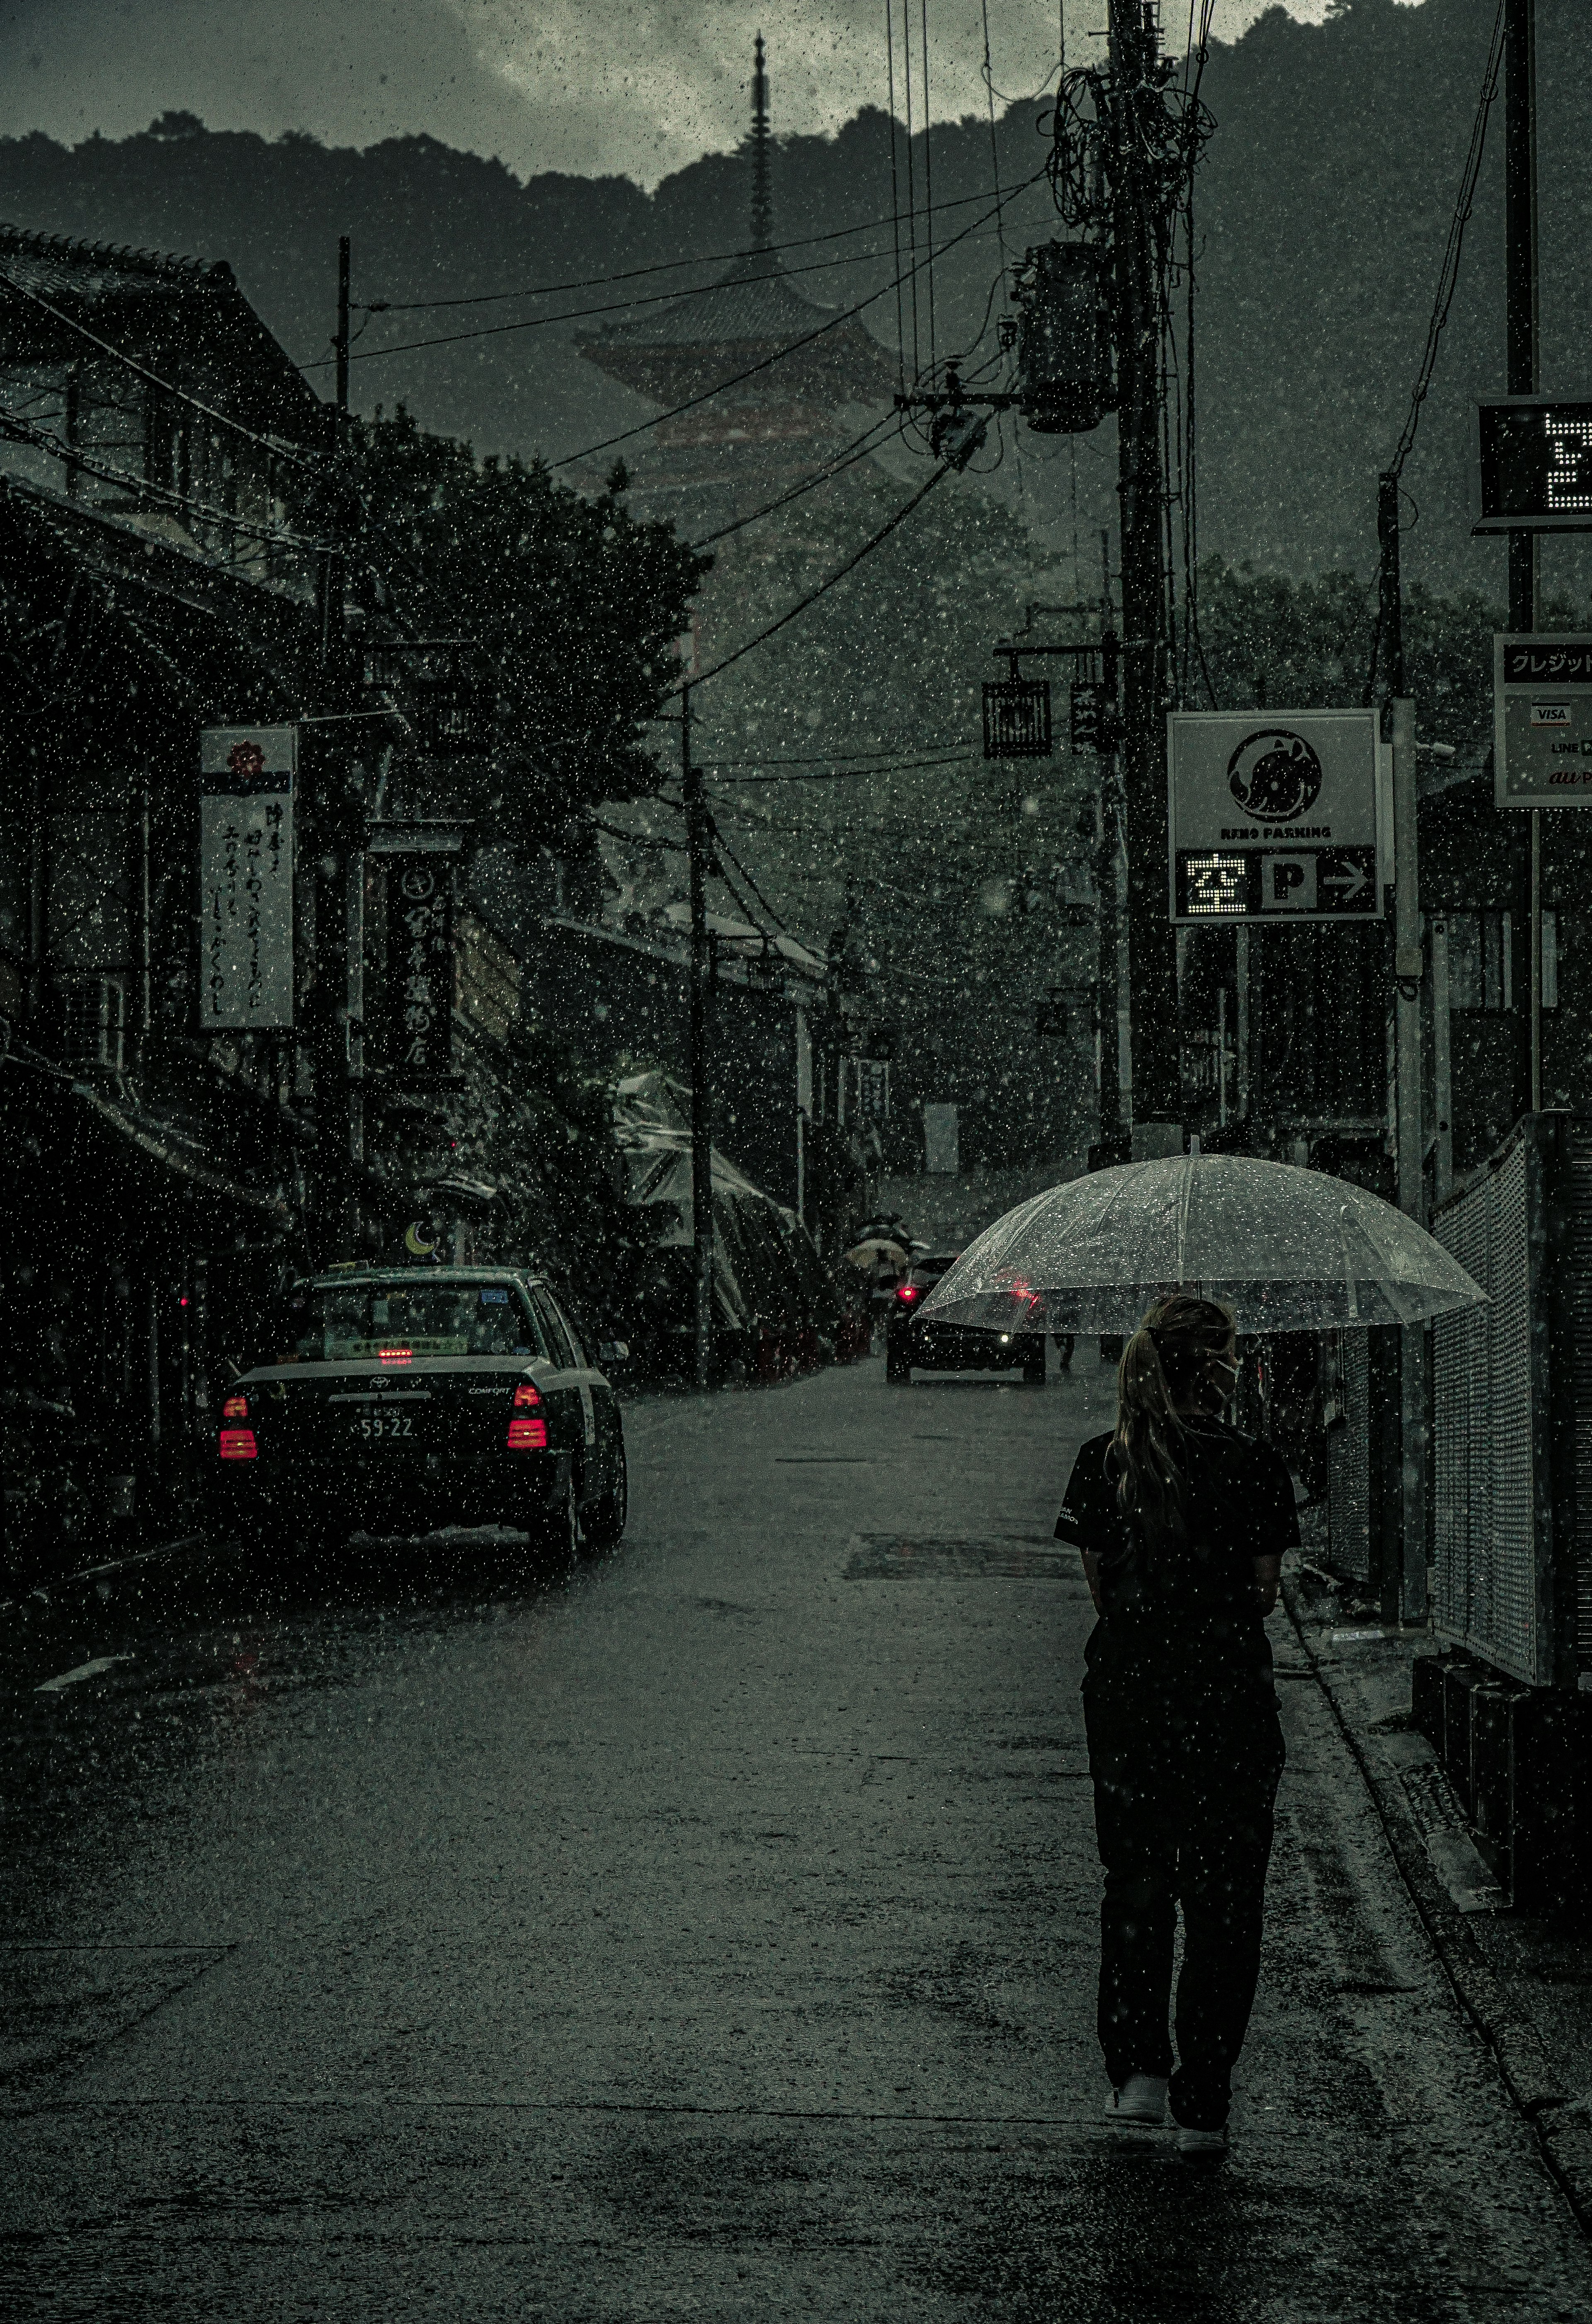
<point>1162,1366</point>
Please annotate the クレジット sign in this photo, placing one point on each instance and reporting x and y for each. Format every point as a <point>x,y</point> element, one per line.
<point>1542,721</point>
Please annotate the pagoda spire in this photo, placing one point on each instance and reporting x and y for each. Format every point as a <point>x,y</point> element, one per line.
<point>762,192</point>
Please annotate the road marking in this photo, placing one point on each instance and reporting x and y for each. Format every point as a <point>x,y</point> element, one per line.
<point>84,1670</point>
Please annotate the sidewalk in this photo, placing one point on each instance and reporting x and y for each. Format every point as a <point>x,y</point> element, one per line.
<point>1524,1982</point>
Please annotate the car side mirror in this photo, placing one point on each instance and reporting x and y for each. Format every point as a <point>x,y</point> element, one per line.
<point>613,1352</point>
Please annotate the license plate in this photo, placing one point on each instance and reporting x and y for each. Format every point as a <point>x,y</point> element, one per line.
<point>386,1427</point>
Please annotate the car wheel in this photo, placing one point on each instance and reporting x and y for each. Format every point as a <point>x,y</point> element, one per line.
<point>1033,1370</point>
<point>898,1366</point>
<point>605,1520</point>
<point>555,1530</point>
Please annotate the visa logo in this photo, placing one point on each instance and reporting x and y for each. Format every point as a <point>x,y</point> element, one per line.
<point>1550,714</point>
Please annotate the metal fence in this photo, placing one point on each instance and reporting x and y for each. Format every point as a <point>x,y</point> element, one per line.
<point>1512,1411</point>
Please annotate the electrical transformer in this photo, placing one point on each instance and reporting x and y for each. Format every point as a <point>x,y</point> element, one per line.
<point>1065,385</point>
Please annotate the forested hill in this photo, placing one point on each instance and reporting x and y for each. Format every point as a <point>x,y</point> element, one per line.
<point>1324,201</point>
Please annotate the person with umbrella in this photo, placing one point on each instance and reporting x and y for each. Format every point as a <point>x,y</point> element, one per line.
<point>1182,1521</point>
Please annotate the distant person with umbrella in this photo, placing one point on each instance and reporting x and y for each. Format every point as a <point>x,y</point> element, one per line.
<point>1182,1521</point>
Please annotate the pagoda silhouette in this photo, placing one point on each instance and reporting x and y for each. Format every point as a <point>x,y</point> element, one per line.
<point>707,466</point>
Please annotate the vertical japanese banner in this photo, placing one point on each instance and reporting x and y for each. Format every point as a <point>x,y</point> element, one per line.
<point>419,996</point>
<point>247,878</point>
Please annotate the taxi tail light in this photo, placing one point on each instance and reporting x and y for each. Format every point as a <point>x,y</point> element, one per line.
<point>236,1408</point>
<point>526,1395</point>
<point>527,1432</point>
<point>237,1444</point>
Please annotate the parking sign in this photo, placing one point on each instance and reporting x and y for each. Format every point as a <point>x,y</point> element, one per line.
<point>1273,815</point>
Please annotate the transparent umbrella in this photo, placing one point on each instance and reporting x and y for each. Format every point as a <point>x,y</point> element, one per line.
<point>1286,1249</point>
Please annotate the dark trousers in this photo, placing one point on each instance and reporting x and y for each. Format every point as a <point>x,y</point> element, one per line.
<point>1184,1800</point>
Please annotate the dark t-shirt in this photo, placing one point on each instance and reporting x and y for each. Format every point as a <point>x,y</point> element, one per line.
<point>1188,1606</point>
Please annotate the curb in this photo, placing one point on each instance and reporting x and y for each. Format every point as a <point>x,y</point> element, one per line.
<point>68,1593</point>
<point>1562,2125</point>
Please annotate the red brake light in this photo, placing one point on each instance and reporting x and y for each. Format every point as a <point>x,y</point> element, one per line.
<point>527,1435</point>
<point>237,1444</point>
<point>395,1355</point>
<point>525,1394</point>
<point>236,1408</point>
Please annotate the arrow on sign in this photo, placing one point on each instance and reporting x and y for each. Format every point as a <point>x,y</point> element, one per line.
<point>1351,881</point>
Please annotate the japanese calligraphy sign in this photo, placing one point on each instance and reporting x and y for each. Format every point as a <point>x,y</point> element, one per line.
<point>1542,720</point>
<point>1273,815</point>
<point>247,878</point>
<point>419,996</point>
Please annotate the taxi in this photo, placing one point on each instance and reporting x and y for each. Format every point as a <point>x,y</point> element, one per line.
<point>395,1400</point>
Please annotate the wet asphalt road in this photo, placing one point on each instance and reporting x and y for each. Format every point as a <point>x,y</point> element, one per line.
<point>704,1934</point>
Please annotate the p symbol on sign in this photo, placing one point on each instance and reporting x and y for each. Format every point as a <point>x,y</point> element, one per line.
<point>1287,883</point>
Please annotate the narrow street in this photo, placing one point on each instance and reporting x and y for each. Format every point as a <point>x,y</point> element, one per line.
<point>708,1932</point>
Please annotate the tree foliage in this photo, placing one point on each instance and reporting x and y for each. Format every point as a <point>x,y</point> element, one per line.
<point>572,604</point>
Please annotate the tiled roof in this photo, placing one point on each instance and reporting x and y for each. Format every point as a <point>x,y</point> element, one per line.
<point>755,299</point>
<point>168,311</point>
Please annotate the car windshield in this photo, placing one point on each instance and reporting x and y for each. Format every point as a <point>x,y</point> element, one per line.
<point>353,1322</point>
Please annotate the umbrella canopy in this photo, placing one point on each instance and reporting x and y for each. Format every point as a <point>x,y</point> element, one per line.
<point>1286,1249</point>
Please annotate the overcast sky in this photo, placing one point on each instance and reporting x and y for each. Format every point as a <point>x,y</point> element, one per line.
<point>639,86</point>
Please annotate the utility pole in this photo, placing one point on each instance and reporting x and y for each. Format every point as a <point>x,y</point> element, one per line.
<point>1404,1580</point>
<point>696,811</point>
<point>1522,366</point>
<point>354,867</point>
<point>1136,127</point>
<point>1112,1146</point>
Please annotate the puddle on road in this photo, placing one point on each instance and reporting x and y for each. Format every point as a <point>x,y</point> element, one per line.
<point>1013,1557</point>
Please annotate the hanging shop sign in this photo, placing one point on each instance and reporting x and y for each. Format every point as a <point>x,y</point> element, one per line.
<point>418,998</point>
<point>1274,815</point>
<point>1542,720</point>
<point>247,878</point>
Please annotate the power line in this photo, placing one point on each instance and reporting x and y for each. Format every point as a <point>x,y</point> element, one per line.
<point>660,266</point>
<point>792,347</point>
<point>153,379</point>
<point>1443,297</point>
<point>859,774</point>
<point>1448,272</point>
<point>894,194</point>
<point>834,757</point>
<point>581,314</point>
<point>928,176</point>
<point>813,595</point>
<point>859,449</point>
<point>25,432</point>
<point>721,842</point>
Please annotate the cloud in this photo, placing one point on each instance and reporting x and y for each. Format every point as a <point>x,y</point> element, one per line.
<point>592,87</point>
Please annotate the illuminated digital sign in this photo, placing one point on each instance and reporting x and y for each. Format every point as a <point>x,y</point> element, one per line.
<point>1531,470</point>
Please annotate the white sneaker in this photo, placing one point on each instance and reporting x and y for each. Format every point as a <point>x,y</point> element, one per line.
<point>1140,2101</point>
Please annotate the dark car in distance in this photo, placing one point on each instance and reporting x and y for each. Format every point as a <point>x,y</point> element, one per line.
<point>394,1400</point>
<point>913,1341</point>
